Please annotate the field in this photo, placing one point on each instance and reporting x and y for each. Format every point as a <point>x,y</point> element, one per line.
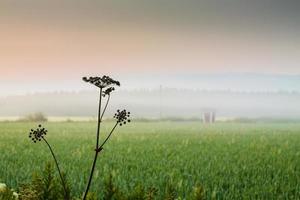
<point>229,160</point>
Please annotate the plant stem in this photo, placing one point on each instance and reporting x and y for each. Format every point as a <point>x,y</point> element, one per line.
<point>57,166</point>
<point>99,118</point>
<point>96,149</point>
<point>108,136</point>
<point>105,106</point>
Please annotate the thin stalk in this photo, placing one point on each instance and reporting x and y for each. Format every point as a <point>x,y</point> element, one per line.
<point>105,106</point>
<point>99,118</point>
<point>96,149</point>
<point>57,166</point>
<point>107,138</point>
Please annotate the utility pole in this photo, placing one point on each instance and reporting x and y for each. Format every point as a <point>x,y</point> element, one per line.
<point>160,101</point>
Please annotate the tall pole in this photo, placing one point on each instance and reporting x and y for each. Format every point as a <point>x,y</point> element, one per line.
<point>160,101</point>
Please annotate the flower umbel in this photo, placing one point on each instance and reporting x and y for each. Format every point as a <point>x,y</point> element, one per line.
<point>108,91</point>
<point>101,82</point>
<point>122,117</point>
<point>37,134</point>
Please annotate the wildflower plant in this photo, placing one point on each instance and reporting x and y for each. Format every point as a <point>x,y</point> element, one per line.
<point>106,86</point>
<point>37,135</point>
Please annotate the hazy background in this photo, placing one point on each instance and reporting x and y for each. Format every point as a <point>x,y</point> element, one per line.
<point>173,58</point>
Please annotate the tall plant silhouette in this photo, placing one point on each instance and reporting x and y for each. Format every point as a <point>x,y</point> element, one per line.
<point>106,86</point>
<point>39,134</point>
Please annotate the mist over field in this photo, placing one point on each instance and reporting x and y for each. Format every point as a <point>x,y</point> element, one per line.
<point>182,96</point>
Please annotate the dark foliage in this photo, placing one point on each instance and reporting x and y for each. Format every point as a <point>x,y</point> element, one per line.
<point>45,186</point>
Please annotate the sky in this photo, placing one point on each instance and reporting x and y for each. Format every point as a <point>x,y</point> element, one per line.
<point>51,44</point>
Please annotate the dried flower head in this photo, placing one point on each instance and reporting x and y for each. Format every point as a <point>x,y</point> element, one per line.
<point>122,117</point>
<point>101,82</point>
<point>108,91</point>
<point>37,134</point>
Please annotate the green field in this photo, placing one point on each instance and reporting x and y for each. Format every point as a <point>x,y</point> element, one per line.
<point>230,161</point>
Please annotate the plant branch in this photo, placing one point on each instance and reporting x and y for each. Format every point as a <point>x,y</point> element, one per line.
<point>57,166</point>
<point>96,149</point>
<point>107,101</point>
<point>107,138</point>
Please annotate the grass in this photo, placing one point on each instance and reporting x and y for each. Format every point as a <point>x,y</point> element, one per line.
<point>230,161</point>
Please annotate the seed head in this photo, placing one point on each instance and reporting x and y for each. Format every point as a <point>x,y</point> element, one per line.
<point>101,82</point>
<point>122,117</point>
<point>108,91</point>
<point>37,134</point>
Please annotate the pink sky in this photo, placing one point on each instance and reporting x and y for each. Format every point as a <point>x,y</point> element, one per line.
<point>52,44</point>
<point>35,50</point>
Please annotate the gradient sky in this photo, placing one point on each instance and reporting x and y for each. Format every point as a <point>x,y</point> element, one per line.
<point>54,41</point>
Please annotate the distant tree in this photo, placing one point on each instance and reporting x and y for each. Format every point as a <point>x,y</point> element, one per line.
<point>34,117</point>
